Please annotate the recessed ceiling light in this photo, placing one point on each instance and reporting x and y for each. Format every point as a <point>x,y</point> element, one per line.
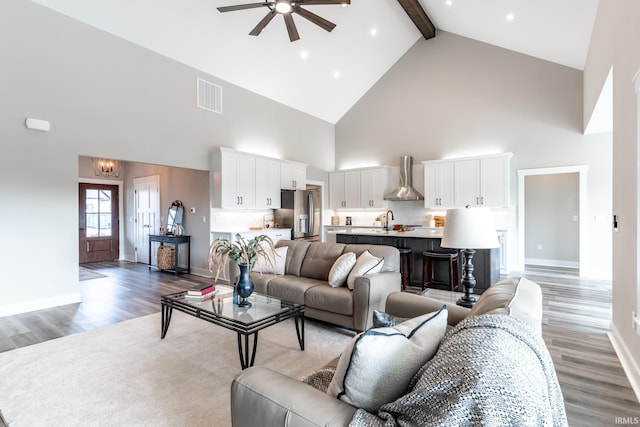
<point>510,17</point>
<point>373,32</point>
<point>336,74</point>
<point>448,2</point>
<point>304,54</point>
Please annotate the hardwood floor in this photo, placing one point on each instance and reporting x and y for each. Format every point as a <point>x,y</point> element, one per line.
<point>576,311</point>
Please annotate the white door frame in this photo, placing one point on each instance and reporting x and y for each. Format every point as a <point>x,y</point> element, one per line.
<point>581,170</point>
<point>120,185</point>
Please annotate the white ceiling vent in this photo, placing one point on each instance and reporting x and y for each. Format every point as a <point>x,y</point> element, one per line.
<point>209,96</point>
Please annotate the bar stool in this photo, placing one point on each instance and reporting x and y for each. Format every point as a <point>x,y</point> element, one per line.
<point>428,261</point>
<point>406,267</point>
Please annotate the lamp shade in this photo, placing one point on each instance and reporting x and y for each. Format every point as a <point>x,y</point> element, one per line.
<point>469,228</point>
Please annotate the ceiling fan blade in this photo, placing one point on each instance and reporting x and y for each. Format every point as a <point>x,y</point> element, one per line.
<point>263,23</point>
<point>291,27</point>
<point>313,2</point>
<point>318,20</point>
<point>241,7</point>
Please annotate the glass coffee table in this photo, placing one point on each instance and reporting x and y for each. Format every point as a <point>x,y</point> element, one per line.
<point>246,322</point>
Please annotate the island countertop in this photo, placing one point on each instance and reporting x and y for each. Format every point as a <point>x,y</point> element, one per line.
<point>426,233</point>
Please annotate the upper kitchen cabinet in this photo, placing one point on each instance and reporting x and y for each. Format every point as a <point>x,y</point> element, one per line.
<point>358,188</point>
<point>293,176</point>
<point>373,184</point>
<point>482,181</point>
<point>438,184</point>
<point>267,183</point>
<point>233,179</point>
<point>344,190</point>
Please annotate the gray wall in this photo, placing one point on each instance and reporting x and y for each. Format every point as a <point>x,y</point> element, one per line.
<point>452,96</point>
<point>106,97</point>
<point>614,42</point>
<point>551,202</point>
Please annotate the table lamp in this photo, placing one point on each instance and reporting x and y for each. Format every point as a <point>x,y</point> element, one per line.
<point>468,229</point>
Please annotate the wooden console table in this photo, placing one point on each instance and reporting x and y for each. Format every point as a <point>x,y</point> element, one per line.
<point>176,241</point>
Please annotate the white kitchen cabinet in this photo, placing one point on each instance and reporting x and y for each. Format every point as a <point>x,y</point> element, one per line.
<point>344,190</point>
<point>267,183</point>
<point>293,176</point>
<point>358,188</point>
<point>233,179</point>
<point>373,184</point>
<point>482,181</point>
<point>438,184</point>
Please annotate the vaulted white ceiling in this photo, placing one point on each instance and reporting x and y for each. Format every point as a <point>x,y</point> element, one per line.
<point>324,74</point>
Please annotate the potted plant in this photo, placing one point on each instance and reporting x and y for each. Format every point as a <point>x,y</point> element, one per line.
<point>244,252</point>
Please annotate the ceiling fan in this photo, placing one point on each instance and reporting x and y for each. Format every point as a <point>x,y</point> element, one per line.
<point>287,8</point>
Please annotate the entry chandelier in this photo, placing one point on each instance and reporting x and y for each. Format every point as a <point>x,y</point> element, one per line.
<point>106,167</point>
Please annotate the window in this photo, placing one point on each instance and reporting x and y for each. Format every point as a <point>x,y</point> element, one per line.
<point>98,212</point>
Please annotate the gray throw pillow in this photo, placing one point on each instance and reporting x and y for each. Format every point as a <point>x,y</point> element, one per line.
<point>385,320</point>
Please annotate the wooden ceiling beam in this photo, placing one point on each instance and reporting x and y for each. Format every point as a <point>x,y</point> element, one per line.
<point>419,17</point>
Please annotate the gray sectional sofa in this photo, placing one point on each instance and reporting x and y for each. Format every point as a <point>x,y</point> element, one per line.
<point>491,368</point>
<point>305,281</point>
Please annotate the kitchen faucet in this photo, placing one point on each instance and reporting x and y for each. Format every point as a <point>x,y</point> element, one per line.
<point>386,219</point>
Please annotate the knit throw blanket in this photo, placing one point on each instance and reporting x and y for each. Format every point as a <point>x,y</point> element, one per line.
<point>490,370</point>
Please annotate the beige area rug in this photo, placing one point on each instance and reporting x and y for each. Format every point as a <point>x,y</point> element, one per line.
<point>125,375</point>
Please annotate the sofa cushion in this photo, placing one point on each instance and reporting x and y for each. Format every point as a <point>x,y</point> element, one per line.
<point>341,269</point>
<point>271,261</point>
<point>292,288</point>
<point>295,254</point>
<point>319,259</point>
<point>365,264</point>
<point>333,300</point>
<point>390,254</point>
<point>378,365</point>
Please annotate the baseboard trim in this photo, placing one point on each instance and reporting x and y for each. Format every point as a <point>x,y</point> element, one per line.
<point>551,262</point>
<point>39,304</point>
<point>626,360</point>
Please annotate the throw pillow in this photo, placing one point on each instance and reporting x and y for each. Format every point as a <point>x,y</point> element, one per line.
<point>365,264</point>
<point>341,269</point>
<point>277,258</point>
<point>378,365</point>
<point>384,320</point>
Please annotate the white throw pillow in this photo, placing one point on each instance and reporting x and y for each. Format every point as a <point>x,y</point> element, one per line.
<point>278,259</point>
<point>378,365</point>
<point>341,268</point>
<point>365,264</point>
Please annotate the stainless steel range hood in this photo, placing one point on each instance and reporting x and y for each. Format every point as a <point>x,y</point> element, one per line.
<point>405,192</point>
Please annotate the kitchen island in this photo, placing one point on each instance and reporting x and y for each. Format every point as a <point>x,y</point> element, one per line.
<point>486,262</point>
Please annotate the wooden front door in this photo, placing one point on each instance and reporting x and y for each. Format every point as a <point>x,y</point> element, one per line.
<point>99,222</point>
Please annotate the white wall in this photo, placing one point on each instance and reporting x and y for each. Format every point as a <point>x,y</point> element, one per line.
<point>552,234</point>
<point>615,41</point>
<point>109,98</point>
<point>452,96</point>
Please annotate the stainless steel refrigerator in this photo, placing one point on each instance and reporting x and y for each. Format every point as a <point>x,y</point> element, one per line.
<point>300,211</point>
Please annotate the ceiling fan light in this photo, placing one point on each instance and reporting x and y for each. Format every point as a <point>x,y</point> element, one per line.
<point>283,6</point>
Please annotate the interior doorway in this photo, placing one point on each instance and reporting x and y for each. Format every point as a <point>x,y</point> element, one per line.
<point>99,222</point>
<point>581,172</point>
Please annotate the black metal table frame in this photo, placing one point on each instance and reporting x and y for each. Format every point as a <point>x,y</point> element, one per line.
<point>176,241</point>
<point>171,301</point>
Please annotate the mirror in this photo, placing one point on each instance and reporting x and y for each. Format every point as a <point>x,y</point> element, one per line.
<point>174,218</point>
